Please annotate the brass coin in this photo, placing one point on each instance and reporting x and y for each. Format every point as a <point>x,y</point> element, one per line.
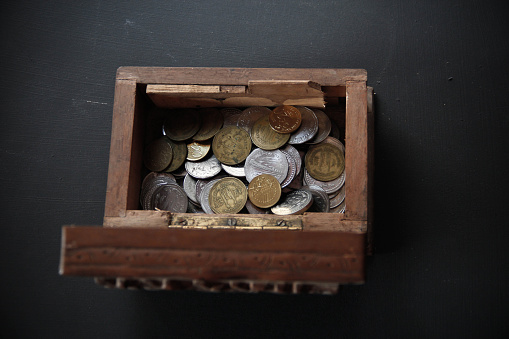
<point>158,154</point>
<point>211,123</point>
<point>285,119</point>
<point>265,137</point>
<point>179,155</point>
<point>181,124</point>
<point>197,150</point>
<point>228,195</point>
<point>231,145</point>
<point>324,162</point>
<point>264,191</point>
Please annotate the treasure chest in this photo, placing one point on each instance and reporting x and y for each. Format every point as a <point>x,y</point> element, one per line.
<point>311,252</point>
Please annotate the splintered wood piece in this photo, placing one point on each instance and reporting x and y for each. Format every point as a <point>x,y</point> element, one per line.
<point>289,92</point>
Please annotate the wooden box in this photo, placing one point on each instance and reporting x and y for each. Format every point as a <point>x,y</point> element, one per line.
<point>309,253</point>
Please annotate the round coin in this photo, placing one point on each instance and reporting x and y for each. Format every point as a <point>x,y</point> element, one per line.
<point>252,209</point>
<point>211,123</point>
<point>197,150</point>
<point>328,186</point>
<point>250,115</point>
<point>321,201</point>
<point>170,198</point>
<point>203,169</point>
<point>266,162</point>
<point>179,155</point>
<point>158,154</point>
<point>308,127</point>
<point>285,119</point>
<point>235,170</point>
<point>190,188</point>
<point>324,162</point>
<point>292,151</point>
<point>204,197</point>
<point>292,170</point>
<point>181,124</point>
<point>230,116</point>
<point>324,127</point>
<point>264,191</point>
<point>338,199</point>
<point>340,208</point>
<point>335,142</point>
<point>231,145</point>
<point>265,137</point>
<point>228,195</point>
<point>296,202</point>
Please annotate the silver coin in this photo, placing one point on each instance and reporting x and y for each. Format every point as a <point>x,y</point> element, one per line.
<point>324,127</point>
<point>149,178</point>
<point>335,142</point>
<point>235,170</point>
<point>170,198</point>
<point>292,169</point>
<point>339,209</point>
<point>296,202</point>
<point>338,199</point>
<point>296,182</point>
<point>150,183</point>
<point>204,197</point>
<point>190,187</point>
<point>193,207</point>
<point>203,169</point>
<point>250,115</point>
<point>308,127</point>
<point>266,162</point>
<point>321,201</point>
<point>295,155</point>
<point>252,209</point>
<point>230,116</point>
<point>328,186</point>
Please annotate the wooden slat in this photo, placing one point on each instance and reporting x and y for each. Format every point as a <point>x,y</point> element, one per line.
<point>237,76</point>
<point>213,254</point>
<point>332,222</point>
<point>356,143</point>
<point>371,168</point>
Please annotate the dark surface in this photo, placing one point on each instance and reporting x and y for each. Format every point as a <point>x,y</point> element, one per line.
<point>440,72</point>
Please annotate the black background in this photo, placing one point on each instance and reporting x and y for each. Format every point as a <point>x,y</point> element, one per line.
<point>440,73</point>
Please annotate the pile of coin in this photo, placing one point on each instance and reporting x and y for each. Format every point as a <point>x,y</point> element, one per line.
<point>287,160</point>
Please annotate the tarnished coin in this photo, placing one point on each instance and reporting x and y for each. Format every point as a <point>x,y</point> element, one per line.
<point>324,162</point>
<point>292,170</point>
<point>324,127</point>
<point>252,209</point>
<point>250,115</point>
<point>296,202</point>
<point>158,154</point>
<point>285,119</point>
<point>265,137</point>
<point>338,199</point>
<point>182,124</point>
<point>204,197</point>
<point>339,209</point>
<point>203,169</point>
<point>179,155</point>
<point>235,170</point>
<point>190,188</point>
<point>180,172</point>
<point>171,198</point>
<point>266,162</point>
<point>321,201</point>
<point>231,145</point>
<point>193,207</point>
<point>197,150</point>
<point>211,123</point>
<point>335,142</point>
<point>201,183</point>
<point>230,116</point>
<point>308,127</point>
<point>292,151</point>
<point>151,182</point>
<point>328,186</point>
<point>334,132</point>
<point>264,191</point>
<point>228,195</point>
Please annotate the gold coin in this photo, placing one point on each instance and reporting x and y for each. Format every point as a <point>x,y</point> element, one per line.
<point>324,162</point>
<point>264,191</point>
<point>158,154</point>
<point>197,150</point>
<point>211,123</point>
<point>285,119</point>
<point>179,155</point>
<point>265,137</point>
<point>231,145</point>
<point>228,195</point>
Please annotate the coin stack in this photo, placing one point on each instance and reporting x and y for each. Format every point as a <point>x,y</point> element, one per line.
<point>283,161</point>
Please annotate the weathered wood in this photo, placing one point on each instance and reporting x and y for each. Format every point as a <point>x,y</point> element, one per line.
<point>332,222</point>
<point>236,221</point>
<point>213,254</point>
<point>207,91</point>
<point>356,143</point>
<point>237,76</point>
<point>288,92</point>
<point>371,169</point>
<point>140,218</point>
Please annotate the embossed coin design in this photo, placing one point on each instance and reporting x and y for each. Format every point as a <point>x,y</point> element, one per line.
<point>158,154</point>
<point>324,126</point>
<point>285,119</point>
<point>264,191</point>
<point>204,197</point>
<point>170,198</point>
<point>203,169</point>
<point>228,195</point>
<point>231,145</point>
<point>329,186</point>
<point>324,162</point>
<point>308,127</point>
<point>181,124</point>
<point>179,155</point>
<point>211,123</point>
<point>321,202</point>
<point>230,116</point>
<point>266,162</point>
<point>197,150</point>
<point>265,137</point>
<point>296,202</point>
<point>250,115</point>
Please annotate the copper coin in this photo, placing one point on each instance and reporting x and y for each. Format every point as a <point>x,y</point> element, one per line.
<point>324,127</point>
<point>324,162</point>
<point>228,195</point>
<point>285,119</point>
<point>211,123</point>
<point>264,191</point>
<point>197,150</point>
<point>231,145</point>
<point>158,154</point>
<point>181,124</point>
<point>265,137</point>
<point>179,155</point>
